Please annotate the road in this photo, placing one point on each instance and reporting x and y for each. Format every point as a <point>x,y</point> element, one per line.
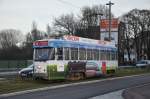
<point>87,90</point>
<point>8,74</point>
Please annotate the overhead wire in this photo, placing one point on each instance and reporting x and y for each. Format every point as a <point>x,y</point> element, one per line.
<point>68,3</point>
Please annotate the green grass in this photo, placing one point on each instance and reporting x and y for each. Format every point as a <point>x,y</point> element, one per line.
<point>8,86</point>
<point>17,84</point>
<point>131,71</point>
<point>13,85</point>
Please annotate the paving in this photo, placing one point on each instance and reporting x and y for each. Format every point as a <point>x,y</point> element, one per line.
<point>111,95</point>
<point>139,92</point>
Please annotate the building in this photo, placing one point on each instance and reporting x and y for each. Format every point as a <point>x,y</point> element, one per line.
<point>105,30</point>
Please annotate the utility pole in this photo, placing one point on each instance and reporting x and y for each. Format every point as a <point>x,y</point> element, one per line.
<point>110,4</point>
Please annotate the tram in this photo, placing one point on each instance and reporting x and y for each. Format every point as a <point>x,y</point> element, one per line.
<point>73,57</point>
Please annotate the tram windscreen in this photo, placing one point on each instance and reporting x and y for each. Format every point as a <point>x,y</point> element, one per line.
<point>43,54</point>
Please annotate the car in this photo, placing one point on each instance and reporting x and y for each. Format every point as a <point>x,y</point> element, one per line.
<point>143,63</point>
<point>26,72</point>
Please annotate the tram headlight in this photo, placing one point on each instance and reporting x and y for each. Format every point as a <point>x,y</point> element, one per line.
<point>39,67</point>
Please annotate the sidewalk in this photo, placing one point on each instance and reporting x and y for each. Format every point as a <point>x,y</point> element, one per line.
<point>139,92</point>
<point>111,95</point>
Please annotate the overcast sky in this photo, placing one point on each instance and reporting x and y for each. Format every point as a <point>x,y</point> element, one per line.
<point>19,14</point>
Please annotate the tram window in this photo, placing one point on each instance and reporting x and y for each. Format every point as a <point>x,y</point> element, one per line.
<point>60,53</point>
<point>108,55</point>
<point>89,54</point>
<point>103,55</point>
<point>74,53</point>
<point>116,56</point>
<point>113,56</point>
<point>91,66</point>
<point>52,54</point>
<point>66,52</point>
<point>94,54</point>
<point>82,53</point>
<point>97,54</point>
<point>41,54</point>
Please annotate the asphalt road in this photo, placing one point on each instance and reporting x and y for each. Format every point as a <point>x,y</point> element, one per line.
<point>87,90</point>
<point>139,92</point>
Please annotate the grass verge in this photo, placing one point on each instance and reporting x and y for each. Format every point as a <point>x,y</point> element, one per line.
<point>7,86</point>
<point>17,84</point>
<point>13,85</point>
<point>131,71</point>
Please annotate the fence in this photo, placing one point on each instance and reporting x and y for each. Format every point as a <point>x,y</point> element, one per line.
<point>15,63</point>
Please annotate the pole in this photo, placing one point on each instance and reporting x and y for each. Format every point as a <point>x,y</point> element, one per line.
<point>110,4</point>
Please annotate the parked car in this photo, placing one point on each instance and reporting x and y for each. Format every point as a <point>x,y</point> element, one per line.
<point>143,63</point>
<point>26,72</point>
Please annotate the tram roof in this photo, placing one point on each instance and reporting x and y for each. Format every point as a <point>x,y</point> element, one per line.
<point>57,43</point>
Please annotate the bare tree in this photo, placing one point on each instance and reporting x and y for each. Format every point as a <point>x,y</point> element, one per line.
<point>121,47</point>
<point>11,44</point>
<point>48,29</point>
<point>65,24</point>
<point>35,34</point>
<point>10,38</point>
<point>90,14</point>
<point>144,23</point>
<point>32,36</point>
<point>88,26</point>
<point>137,22</point>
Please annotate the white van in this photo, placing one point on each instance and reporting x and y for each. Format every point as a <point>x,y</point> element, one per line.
<point>143,63</point>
